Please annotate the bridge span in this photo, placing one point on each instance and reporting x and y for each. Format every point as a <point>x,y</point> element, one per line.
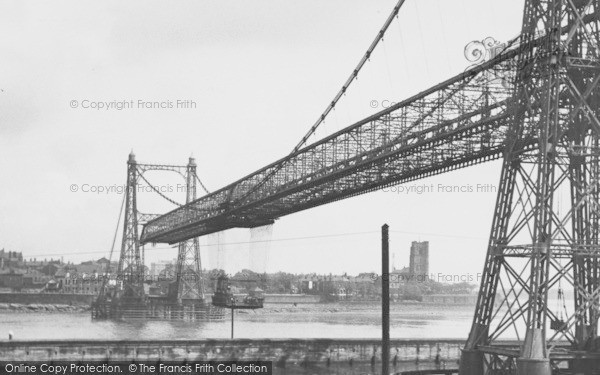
<point>458,123</point>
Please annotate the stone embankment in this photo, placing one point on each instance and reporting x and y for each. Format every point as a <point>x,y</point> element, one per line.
<point>36,307</point>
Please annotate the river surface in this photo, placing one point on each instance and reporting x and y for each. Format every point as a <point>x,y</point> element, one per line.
<point>411,321</point>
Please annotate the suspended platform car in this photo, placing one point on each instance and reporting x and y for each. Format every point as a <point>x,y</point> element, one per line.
<point>224,297</point>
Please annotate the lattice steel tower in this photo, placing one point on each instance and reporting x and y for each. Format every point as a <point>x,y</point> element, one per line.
<point>131,267</point>
<point>190,283</point>
<point>545,231</point>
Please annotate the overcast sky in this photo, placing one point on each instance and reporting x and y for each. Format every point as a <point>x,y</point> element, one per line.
<point>260,73</point>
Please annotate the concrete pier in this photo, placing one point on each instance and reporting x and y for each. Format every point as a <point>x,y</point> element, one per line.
<point>284,353</point>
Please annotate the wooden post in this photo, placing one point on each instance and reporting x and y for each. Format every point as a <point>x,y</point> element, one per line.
<point>385,300</point>
<point>232,314</point>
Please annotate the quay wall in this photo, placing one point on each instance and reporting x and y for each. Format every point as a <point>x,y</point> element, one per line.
<point>282,352</point>
<point>86,299</point>
<point>270,299</point>
<point>291,298</point>
<point>47,298</point>
<point>451,299</point>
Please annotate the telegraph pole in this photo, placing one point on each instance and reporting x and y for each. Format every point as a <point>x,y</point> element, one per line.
<point>385,300</point>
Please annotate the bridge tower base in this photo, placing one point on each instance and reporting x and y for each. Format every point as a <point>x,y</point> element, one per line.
<point>532,366</point>
<point>471,362</point>
<point>545,231</point>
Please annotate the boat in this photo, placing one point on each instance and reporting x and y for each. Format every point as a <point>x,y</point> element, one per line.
<point>224,297</point>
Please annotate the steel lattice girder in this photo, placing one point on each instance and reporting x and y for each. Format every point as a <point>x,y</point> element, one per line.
<point>460,122</point>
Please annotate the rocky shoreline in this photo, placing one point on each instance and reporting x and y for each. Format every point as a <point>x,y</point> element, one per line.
<point>42,308</point>
<point>269,309</point>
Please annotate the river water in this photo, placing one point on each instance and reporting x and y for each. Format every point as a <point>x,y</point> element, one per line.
<point>410,321</point>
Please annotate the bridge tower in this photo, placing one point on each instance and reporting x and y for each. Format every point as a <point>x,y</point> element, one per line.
<point>189,280</point>
<point>545,230</point>
<point>131,267</point>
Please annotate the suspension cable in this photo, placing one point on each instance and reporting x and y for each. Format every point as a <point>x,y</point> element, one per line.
<point>339,95</point>
<point>112,249</point>
<point>352,77</point>
<point>141,174</point>
<point>202,185</point>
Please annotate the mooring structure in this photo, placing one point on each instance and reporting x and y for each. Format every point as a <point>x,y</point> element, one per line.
<point>123,295</point>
